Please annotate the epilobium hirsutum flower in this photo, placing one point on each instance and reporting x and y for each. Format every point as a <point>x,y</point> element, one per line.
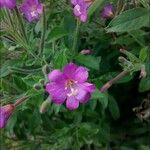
<point>80,9</point>
<point>5,113</point>
<point>70,86</point>
<point>7,4</point>
<point>32,9</point>
<point>107,11</point>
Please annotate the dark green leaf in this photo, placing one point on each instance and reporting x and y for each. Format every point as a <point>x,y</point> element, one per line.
<point>129,20</point>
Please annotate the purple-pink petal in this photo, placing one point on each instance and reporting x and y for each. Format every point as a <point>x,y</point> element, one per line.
<point>54,75</point>
<point>81,93</point>
<point>77,10</point>
<point>57,91</point>
<point>86,98</point>
<point>72,103</point>
<point>69,70</point>
<point>88,87</point>
<point>7,3</point>
<point>83,17</point>
<point>74,2</point>
<point>81,74</point>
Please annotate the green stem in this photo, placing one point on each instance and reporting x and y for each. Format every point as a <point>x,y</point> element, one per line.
<point>43,34</point>
<point>24,71</point>
<point>74,47</point>
<point>21,24</point>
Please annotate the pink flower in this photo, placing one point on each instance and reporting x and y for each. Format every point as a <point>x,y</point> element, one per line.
<point>5,113</point>
<point>70,86</point>
<point>32,9</point>
<point>80,9</point>
<point>7,4</point>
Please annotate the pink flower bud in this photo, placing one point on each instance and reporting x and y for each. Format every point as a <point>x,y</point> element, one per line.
<point>107,11</point>
<point>5,113</point>
<point>86,52</point>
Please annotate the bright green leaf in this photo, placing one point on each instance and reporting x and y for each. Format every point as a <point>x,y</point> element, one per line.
<point>89,61</point>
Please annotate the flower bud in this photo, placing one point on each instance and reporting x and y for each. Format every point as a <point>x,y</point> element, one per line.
<point>44,106</point>
<point>5,113</point>
<point>86,52</point>
<point>143,72</point>
<point>37,86</point>
<point>107,11</point>
<point>45,69</point>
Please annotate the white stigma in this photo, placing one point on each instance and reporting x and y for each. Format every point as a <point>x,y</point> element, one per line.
<point>33,14</point>
<point>77,7</point>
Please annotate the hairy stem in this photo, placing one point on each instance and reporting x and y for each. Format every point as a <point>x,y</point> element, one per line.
<point>43,33</point>
<point>20,101</point>
<point>107,85</point>
<point>74,47</point>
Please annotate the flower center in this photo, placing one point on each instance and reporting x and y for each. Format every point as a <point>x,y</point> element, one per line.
<point>70,86</point>
<point>33,14</point>
<point>33,11</point>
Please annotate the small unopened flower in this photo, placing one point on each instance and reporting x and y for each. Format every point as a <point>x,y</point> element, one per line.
<point>7,4</point>
<point>32,9</point>
<point>143,73</point>
<point>80,9</point>
<point>86,52</point>
<point>107,11</point>
<point>70,85</point>
<point>5,113</point>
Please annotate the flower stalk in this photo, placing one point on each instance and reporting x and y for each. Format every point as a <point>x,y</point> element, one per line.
<point>43,33</point>
<point>20,101</point>
<point>74,47</point>
<point>107,85</point>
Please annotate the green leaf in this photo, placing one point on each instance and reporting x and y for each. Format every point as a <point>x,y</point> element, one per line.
<point>143,54</point>
<point>60,60</point>
<point>11,122</point>
<point>113,108</point>
<point>57,33</point>
<point>95,5</point>
<point>89,61</point>
<point>129,20</point>
<point>144,84</point>
<point>102,98</point>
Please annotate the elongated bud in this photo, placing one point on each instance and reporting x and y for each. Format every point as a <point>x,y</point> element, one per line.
<point>122,59</point>
<point>5,113</point>
<point>86,52</point>
<point>107,11</point>
<point>44,106</point>
<point>45,69</point>
<point>143,72</point>
<point>41,81</point>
